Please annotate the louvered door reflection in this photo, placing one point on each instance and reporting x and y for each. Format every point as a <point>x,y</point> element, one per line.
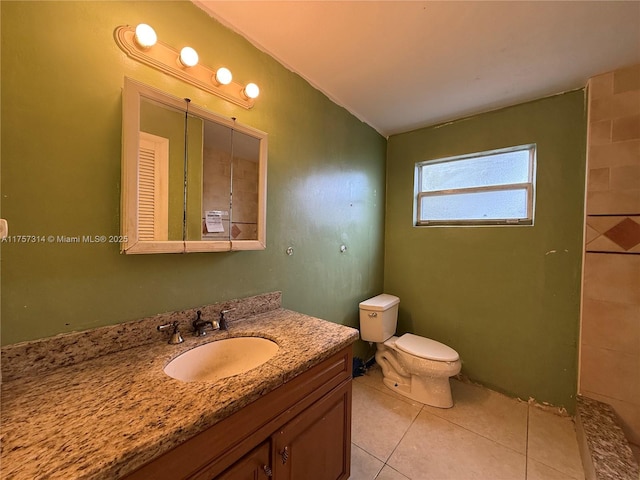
<point>153,187</point>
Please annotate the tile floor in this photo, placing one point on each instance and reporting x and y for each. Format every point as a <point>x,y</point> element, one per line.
<point>485,436</point>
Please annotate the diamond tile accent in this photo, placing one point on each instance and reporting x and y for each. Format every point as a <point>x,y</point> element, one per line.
<point>625,234</point>
<point>602,224</point>
<point>235,231</point>
<point>613,234</point>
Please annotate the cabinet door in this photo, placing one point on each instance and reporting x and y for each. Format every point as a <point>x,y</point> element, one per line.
<point>316,445</point>
<point>256,465</point>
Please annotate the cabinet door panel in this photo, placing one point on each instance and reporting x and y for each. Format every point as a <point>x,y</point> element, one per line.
<point>316,445</point>
<point>255,465</point>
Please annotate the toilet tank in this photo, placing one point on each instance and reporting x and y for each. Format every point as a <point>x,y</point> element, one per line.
<point>378,318</point>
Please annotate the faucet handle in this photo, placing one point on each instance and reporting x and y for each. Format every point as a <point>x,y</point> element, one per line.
<point>223,321</point>
<point>176,337</point>
<point>166,326</point>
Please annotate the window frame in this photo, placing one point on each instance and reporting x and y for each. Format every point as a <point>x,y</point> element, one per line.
<point>528,186</point>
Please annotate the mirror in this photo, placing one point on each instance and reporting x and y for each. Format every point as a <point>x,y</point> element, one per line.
<point>192,181</point>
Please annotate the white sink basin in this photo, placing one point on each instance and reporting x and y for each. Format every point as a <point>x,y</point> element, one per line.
<point>221,359</point>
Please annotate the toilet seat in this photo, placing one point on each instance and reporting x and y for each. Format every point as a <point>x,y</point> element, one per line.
<point>426,348</point>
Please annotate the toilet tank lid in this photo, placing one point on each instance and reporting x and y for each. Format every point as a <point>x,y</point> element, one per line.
<point>380,302</point>
<point>426,348</point>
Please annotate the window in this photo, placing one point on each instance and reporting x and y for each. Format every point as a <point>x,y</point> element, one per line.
<point>494,188</point>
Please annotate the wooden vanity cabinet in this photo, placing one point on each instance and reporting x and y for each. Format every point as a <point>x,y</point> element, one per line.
<point>255,465</point>
<point>300,431</point>
<point>315,444</point>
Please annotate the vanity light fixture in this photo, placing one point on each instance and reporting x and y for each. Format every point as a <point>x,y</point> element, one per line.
<point>141,43</point>
<point>223,76</point>
<point>251,91</point>
<point>145,36</point>
<point>188,57</point>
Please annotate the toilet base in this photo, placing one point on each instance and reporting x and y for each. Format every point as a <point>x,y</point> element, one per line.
<point>431,387</point>
<point>436,394</point>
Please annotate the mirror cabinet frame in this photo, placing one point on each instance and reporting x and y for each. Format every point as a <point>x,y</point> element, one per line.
<point>132,95</point>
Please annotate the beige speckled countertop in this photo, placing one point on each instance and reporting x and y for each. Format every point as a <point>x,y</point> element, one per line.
<point>104,417</point>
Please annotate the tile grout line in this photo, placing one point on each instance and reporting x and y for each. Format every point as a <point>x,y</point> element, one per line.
<point>400,441</point>
<point>397,398</point>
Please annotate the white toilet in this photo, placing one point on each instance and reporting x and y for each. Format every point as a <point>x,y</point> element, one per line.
<point>413,366</point>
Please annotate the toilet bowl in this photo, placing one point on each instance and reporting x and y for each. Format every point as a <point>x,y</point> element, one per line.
<point>416,367</point>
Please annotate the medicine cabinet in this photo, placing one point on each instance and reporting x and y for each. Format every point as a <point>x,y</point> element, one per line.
<point>192,180</point>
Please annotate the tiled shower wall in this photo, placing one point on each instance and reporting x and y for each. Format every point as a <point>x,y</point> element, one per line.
<point>610,333</point>
<point>216,192</point>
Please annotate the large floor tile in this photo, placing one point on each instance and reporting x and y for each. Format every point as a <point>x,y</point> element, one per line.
<point>389,473</point>
<point>434,448</point>
<point>487,413</point>
<point>540,471</point>
<point>552,441</point>
<point>379,420</point>
<point>363,465</point>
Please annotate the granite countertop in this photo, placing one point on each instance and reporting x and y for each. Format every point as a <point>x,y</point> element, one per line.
<point>103,418</point>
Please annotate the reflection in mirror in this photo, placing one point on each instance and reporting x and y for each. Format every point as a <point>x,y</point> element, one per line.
<point>244,182</point>
<point>161,170</point>
<point>192,181</point>
<point>216,182</point>
<point>230,184</point>
<point>230,179</point>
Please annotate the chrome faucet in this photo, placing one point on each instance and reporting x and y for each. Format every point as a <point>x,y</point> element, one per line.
<point>199,325</point>
<point>175,337</point>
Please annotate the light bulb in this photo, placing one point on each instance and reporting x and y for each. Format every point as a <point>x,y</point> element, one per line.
<point>223,76</point>
<point>145,36</point>
<point>188,57</point>
<point>251,90</point>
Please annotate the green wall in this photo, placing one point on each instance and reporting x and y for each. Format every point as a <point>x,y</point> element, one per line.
<point>506,298</point>
<point>62,75</point>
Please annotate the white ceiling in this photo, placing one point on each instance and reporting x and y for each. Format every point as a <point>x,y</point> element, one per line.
<point>401,65</point>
